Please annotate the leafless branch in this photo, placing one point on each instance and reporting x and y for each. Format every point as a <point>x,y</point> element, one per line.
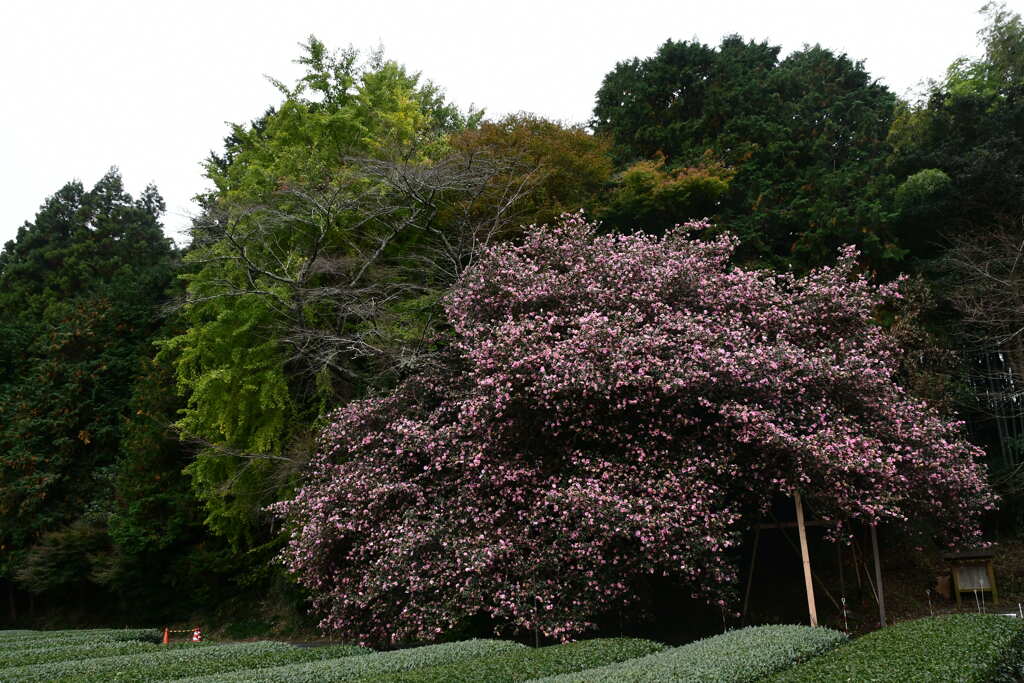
<point>334,257</point>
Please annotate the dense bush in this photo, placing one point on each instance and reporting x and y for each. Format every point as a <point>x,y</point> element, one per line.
<point>178,662</point>
<point>959,647</point>
<point>371,666</point>
<point>744,655</point>
<point>525,665</point>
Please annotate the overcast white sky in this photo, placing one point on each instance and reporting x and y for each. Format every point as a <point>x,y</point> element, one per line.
<point>148,86</point>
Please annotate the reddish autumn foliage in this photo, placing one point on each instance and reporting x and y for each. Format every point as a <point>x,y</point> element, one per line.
<point>613,404</point>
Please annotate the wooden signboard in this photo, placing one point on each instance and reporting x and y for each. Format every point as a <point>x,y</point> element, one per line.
<point>972,571</point>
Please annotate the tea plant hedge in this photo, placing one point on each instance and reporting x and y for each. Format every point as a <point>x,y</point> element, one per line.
<point>177,662</point>
<point>42,654</point>
<point>966,648</point>
<point>523,665</point>
<point>735,657</point>
<point>27,639</point>
<point>367,667</point>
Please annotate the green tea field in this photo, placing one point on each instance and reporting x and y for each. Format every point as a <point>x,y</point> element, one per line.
<point>958,647</point>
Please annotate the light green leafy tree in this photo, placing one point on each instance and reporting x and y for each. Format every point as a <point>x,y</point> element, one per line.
<point>337,220</point>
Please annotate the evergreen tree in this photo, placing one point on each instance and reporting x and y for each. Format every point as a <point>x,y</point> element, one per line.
<point>803,138</point>
<point>80,294</point>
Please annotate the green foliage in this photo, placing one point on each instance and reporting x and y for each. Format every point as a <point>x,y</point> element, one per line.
<point>976,141</point>
<point>353,108</point>
<point>1002,65</point>
<point>805,137</point>
<point>179,662</point>
<point>285,212</point>
<point>648,197</point>
<point>237,398</point>
<point>97,514</point>
<point>970,126</point>
<point>63,557</point>
<point>43,654</point>
<point>374,665</point>
<point>959,647</point>
<point>684,97</point>
<point>561,168</point>
<point>922,202</point>
<point>10,640</point>
<point>923,193</point>
<point>80,289</point>
<point>162,560</point>
<point>525,665</point>
<point>959,154</point>
<point>748,654</point>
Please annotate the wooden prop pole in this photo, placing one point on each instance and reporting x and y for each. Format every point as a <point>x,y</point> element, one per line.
<point>839,562</point>
<point>808,585</point>
<point>750,575</point>
<point>878,575</point>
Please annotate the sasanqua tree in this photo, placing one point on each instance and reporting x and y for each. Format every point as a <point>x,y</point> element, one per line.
<point>614,409</point>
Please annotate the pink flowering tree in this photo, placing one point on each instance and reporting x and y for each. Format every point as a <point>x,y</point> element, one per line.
<point>612,406</point>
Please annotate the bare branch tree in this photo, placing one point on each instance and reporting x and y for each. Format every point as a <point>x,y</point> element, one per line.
<point>989,294</point>
<point>336,258</point>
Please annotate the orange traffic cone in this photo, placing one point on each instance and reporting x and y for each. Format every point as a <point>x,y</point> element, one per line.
<point>197,635</point>
<point>167,636</point>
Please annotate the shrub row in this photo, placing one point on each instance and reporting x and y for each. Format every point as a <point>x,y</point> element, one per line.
<point>43,653</point>
<point>15,634</point>
<point>523,665</point>
<point>373,665</point>
<point>178,662</point>
<point>737,656</point>
<point>959,647</point>
<point>21,639</point>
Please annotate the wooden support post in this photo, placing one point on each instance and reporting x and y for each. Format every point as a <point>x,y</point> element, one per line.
<point>750,574</point>
<point>992,581</point>
<point>808,585</point>
<point>878,575</point>
<point>839,562</point>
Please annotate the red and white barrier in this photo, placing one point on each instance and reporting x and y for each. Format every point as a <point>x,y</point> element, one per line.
<point>197,634</point>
